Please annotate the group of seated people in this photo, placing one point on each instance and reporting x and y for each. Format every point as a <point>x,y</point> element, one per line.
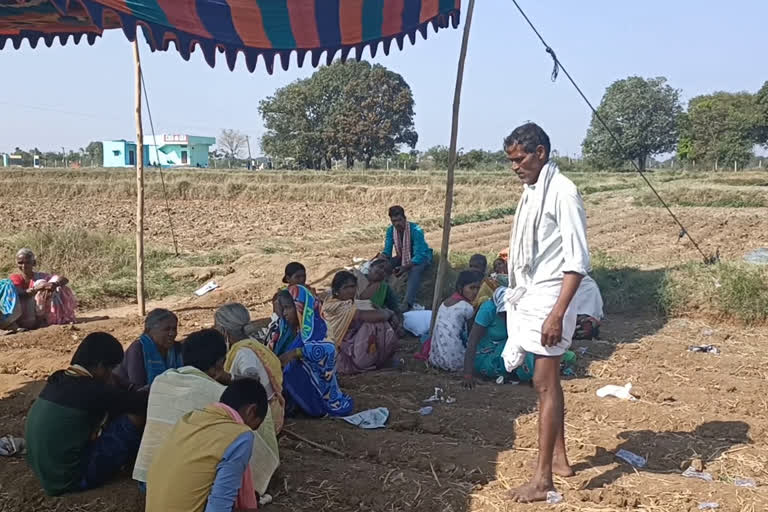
<point>199,419</point>
<point>209,408</point>
<point>30,299</point>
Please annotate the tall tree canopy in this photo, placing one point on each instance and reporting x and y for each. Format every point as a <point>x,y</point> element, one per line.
<point>721,128</point>
<point>643,113</point>
<point>762,104</point>
<point>351,112</point>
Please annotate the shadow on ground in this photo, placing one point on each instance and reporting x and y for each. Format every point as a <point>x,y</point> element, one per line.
<point>669,452</point>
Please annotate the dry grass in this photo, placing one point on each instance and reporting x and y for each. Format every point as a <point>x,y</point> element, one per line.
<point>718,197</point>
<point>726,291</point>
<point>102,267</point>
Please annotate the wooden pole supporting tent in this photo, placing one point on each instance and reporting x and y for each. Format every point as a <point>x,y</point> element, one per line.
<point>139,185</point>
<point>444,247</point>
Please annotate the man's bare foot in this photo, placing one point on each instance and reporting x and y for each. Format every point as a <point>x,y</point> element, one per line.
<point>560,467</point>
<point>531,492</point>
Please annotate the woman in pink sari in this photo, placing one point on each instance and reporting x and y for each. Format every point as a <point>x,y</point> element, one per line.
<point>45,298</point>
<point>363,334</point>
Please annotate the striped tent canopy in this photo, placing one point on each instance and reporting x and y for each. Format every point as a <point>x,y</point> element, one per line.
<point>255,28</point>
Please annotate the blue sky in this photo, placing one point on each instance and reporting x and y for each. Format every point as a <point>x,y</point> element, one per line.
<point>68,96</point>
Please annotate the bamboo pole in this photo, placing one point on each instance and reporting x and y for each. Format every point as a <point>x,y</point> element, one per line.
<point>139,185</point>
<point>451,165</point>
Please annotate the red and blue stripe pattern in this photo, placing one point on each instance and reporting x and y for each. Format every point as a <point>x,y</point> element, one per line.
<point>256,28</point>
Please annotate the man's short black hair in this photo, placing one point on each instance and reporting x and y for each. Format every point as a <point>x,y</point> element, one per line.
<point>530,136</point>
<point>396,211</point>
<point>244,392</point>
<point>98,348</point>
<point>203,349</point>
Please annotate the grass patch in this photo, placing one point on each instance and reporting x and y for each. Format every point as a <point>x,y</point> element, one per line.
<point>708,197</point>
<point>102,268</point>
<point>609,187</point>
<point>727,291</point>
<point>745,181</point>
<point>482,216</point>
<point>625,288</point>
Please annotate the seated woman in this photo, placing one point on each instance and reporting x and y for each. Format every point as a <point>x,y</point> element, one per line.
<point>486,343</point>
<point>374,286</point>
<point>499,277</point>
<point>45,299</point>
<point>364,339</point>
<point>153,353</point>
<point>249,358</point>
<point>454,319</point>
<point>307,357</point>
<point>69,446</point>
<point>373,291</point>
<point>487,340</point>
<point>295,274</point>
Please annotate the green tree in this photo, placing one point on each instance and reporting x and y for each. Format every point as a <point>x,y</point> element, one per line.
<point>643,113</point>
<point>353,111</point>
<point>720,129</point>
<point>95,152</point>
<point>439,155</point>
<point>761,132</point>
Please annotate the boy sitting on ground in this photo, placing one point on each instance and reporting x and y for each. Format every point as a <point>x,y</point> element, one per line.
<point>82,428</point>
<point>204,463</point>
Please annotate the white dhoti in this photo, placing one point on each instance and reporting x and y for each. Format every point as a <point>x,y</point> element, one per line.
<point>525,319</point>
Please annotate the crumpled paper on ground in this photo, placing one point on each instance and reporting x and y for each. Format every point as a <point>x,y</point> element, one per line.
<point>10,446</point>
<point>370,419</point>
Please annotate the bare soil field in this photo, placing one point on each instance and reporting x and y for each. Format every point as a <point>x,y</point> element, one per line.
<point>464,456</point>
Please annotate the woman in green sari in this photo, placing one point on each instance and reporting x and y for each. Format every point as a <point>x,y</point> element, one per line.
<point>373,291</point>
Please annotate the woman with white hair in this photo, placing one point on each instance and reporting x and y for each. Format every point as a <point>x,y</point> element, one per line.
<point>249,358</point>
<point>45,299</point>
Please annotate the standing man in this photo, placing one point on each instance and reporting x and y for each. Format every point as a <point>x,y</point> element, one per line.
<point>413,255</point>
<point>548,256</point>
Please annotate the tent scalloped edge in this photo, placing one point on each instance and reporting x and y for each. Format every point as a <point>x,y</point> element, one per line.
<point>160,37</point>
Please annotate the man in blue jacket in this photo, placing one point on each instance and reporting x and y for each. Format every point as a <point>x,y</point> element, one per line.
<point>412,254</point>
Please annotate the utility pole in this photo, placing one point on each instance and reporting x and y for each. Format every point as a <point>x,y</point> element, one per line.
<point>250,160</point>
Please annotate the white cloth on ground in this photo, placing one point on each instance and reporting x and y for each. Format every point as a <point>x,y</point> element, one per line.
<point>450,335</point>
<point>417,322</point>
<point>559,245</point>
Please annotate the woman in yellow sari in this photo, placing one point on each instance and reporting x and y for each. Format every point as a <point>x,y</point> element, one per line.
<point>250,358</point>
<point>364,339</point>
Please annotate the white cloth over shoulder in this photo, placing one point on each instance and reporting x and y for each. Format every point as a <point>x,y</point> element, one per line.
<point>548,239</point>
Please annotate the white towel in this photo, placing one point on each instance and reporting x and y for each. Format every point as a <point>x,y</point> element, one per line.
<point>513,353</point>
<point>522,249</point>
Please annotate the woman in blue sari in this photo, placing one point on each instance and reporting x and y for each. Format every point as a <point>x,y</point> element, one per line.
<point>153,353</point>
<point>308,359</point>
